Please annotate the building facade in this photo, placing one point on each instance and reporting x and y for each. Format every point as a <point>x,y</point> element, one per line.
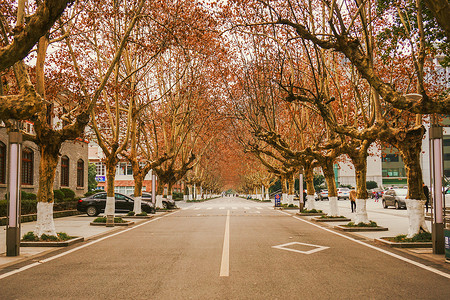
<point>71,172</point>
<point>124,181</point>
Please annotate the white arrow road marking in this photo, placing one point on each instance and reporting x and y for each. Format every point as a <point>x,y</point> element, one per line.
<point>225,265</point>
<point>317,248</point>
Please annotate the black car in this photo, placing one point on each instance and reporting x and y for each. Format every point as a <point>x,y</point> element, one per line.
<point>95,204</point>
<point>165,202</point>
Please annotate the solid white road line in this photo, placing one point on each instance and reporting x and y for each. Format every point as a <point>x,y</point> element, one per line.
<point>436,271</point>
<point>225,265</point>
<point>78,248</point>
<point>234,207</point>
<point>209,208</point>
<point>221,207</point>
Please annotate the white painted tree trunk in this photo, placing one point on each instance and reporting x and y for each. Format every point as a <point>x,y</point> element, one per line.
<point>195,192</point>
<point>334,210</point>
<point>110,207</point>
<point>169,197</point>
<point>137,205</point>
<point>185,197</point>
<point>361,211</point>
<point>267,196</point>
<point>284,199</point>
<point>45,223</point>
<point>159,201</point>
<point>310,202</point>
<point>290,199</point>
<point>416,216</point>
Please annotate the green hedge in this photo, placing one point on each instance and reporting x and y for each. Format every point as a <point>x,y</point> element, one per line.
<point>177,196</point>
<point>58,195</point>
<point>30,206</point>
<point>68,193</point>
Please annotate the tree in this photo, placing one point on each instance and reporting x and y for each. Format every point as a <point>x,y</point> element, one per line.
<point>92,172</point>
<point>26,35</point>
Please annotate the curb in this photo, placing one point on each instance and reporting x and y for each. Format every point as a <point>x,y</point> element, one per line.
<point>115,224</point>
<point>360,229</point>
<point>331,219</point>
<point>311,214</point>
<point>52,244</point>
<point>404,245</point>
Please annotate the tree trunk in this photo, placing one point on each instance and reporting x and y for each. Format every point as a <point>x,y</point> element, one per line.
<point>291,189</point>
<point>110,208</point>
<point>138,182</point>
<point>416,197</point>
<point>47,170</point>
<point>169,190</point>
<point>284,189</point>
<point>361,189</point>
<point>309,178</point>
<point>328,171</point>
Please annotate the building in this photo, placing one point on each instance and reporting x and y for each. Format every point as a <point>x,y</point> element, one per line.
<point>386,168</point>
<point>124,181</point>
<point>71,171</point>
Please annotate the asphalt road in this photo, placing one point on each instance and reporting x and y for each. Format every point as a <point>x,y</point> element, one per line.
<point>184,255</point>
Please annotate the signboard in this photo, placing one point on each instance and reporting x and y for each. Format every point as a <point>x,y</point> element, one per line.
<point>277,200</point>
<point>100,178</point>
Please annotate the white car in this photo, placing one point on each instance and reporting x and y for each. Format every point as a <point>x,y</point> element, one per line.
<point>343,193</point>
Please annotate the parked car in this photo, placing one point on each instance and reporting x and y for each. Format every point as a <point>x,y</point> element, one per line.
<point>95,204</point>
<point>343,193</point>
<point>165,202</point>
<point>394,197</point>
<point>323,195</point>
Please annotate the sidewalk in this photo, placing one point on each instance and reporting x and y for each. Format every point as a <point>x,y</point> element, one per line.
<point>395,220</point>
<point>74,226</point>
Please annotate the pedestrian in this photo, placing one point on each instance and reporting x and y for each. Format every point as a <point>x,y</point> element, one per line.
<point>352,197</point>
<point>426,191</point>
<point>377,196</point>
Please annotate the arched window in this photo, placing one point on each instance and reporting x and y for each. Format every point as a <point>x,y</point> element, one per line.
<point>2,163</point>
<point>80,173</point>
<point>64,171</point>
<point>27,166</point>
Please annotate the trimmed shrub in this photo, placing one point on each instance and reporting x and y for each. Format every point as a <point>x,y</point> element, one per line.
<point>59,195</point>
<point>30,237</point>
<point>68,193</point>
<point>130,213</point>
<point>28,196</point>
<point>3,208</point>
<point>28,207</point>
<point>177,196</point>
<point>371,185</point>
<point>142,214</point>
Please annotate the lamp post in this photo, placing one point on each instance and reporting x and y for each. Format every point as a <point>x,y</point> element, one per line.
<point>13,227</point>
<point>436,136</point>
<point>300,192</point>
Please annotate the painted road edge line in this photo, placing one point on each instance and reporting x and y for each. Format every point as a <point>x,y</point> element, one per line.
<point>436,271</point>
<point>79,248</point>
<point>225,264</point>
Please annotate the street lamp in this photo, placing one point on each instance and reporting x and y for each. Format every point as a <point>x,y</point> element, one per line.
<point>13,227</point>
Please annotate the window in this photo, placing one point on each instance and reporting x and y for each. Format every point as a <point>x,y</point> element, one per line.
<point>127,190</point>
<point>446,156</point>
<point>80,173</point>
<point>390,158</point>
<point>446,141</point>
<point>124,168</point>
<point>27,166</point>
<point>64,171</point>
<point>100,168</point>
<point>2,163</point>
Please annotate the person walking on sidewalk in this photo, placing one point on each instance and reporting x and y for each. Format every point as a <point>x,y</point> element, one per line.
<point>352,197</point>
<point>426,191</point>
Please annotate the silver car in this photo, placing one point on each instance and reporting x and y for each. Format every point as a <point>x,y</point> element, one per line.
<point>395,197</point>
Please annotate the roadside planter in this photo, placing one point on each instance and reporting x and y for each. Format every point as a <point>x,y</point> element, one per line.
<point>326,218</point>
<point>420,240</point>
<point>62,240</point>
<point>118,221</point>
<point>361,227</point>
<point>312,212</point>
